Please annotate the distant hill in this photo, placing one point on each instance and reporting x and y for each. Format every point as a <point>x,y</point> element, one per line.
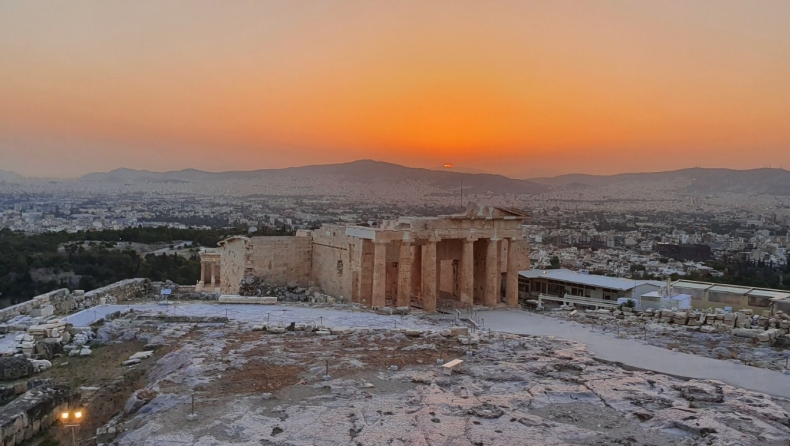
<point>10,177</point>
<point>462,169</point>
<point>695,180</point>
<point>361,172</point>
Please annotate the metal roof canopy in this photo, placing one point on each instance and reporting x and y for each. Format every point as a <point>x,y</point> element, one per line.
<point>565,275</point>
<point>692,285</point>
<point>773,294</point>
<point>732,289</point>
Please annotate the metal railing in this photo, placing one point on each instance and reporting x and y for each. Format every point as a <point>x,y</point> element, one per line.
<point>579,300</point>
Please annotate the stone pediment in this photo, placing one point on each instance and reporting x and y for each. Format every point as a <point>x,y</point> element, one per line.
<point>473,210</point>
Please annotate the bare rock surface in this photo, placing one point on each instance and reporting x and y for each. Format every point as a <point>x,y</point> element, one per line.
<point>254,388</point>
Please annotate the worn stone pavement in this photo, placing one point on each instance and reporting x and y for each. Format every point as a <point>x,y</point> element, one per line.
<point>640,355</point>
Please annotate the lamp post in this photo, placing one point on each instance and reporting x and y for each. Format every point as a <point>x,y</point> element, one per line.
<point>72,419</point>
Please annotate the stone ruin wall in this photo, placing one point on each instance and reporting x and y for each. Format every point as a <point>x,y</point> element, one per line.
<point>279,260</point>
<point>122,291</point>
<point>63,301</point>
<point>234,255</point>
<point>332,259</point>
<point>39,407</point>
<point>37,302</point>
<point>33,412</point>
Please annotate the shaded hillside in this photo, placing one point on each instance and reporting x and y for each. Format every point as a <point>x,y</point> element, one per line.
<point>696,180</point>
<point>362,171</point>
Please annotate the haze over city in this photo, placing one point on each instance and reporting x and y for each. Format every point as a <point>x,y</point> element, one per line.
<point>520,88</point>
<point>347,222</point>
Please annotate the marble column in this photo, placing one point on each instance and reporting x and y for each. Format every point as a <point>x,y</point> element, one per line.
<point>379,274</point>
<point>430,277</point>
<point>416,271</point>
<point>366,273</point>
<point>202,272</point>
<point>492,273</point>
<point>515,257</point>
<point>404,275</point>
<point>211,267</point>
<point>467,272</point>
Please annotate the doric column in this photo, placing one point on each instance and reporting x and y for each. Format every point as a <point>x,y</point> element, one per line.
<point>202,272</point>
<point>515,260</point>
<point>467,272</point>
<point>493,276</point>
<point>365,294</point>
<point>379,274</point>
<point>416,271</point>
<point>404,275</point>
<point>430,277</point>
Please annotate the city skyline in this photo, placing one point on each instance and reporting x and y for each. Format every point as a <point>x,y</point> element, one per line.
<point>523,89</point>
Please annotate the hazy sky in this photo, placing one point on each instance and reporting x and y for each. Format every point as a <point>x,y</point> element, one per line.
<point>521,88</point>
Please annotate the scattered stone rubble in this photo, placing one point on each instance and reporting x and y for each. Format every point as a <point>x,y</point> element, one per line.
<point>138,357</point>
<point>759,340</point>
<point>290,293</point>
<point>179,292</point>
<point>15,367</point>
<point>743,323</point>
<point>79,345</point>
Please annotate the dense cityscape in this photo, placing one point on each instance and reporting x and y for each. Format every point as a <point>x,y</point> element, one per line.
<point>403,223</point>
<point>652,231</point>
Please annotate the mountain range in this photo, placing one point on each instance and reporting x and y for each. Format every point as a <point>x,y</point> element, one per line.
<point>380,174</point>
<point>11,177</point>
<point>693,180</point>
<point>362,171</point>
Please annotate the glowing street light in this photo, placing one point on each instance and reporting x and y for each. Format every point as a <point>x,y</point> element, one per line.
<point>73,418</point>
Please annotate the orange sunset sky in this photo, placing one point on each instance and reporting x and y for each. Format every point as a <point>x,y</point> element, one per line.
<point>523,88</point>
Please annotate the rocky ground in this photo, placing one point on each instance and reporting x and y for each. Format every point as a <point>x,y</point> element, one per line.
<point>384,387</point>
<point>749,351</point>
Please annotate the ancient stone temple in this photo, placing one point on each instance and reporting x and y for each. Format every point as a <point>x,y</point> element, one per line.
<point>210,267</point>
<point>432,263</point>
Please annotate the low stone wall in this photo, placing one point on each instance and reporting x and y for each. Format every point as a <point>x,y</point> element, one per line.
<point>37,302</point>
<point>33,412</point>
<point>9,392</point>
<point>117,292</point>
<point>65,302</point>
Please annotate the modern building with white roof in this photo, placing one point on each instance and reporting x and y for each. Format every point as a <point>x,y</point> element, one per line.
<point>603,291</point>
<point>561,282</point>
<point>715,295</point>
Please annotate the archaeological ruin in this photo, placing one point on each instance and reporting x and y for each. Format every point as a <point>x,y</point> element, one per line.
<point>431,263</point>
